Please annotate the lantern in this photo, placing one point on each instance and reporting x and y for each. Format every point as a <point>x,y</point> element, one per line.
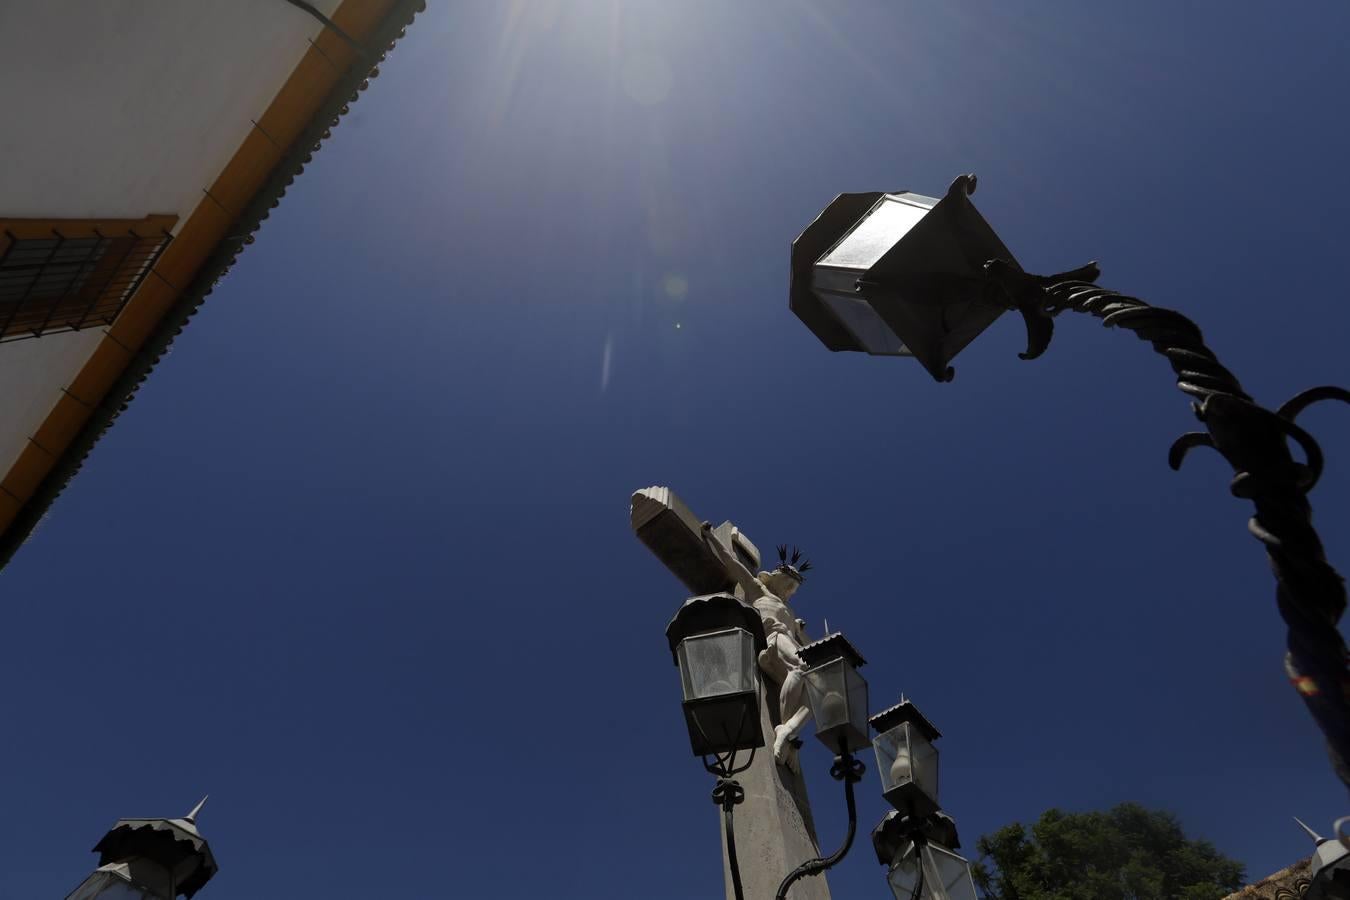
<point>150,859</point>
<point>898,274</point>
<point>907,759</point>
<point>716,641</point>
<point>836,692</point>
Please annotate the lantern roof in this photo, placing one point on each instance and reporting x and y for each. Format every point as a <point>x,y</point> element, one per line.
<point>904,711</point>
<point>831,647</point>
<point>166,842</point>
<point>713,612</point>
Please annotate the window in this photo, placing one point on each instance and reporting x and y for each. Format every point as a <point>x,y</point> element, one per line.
<point>64,275</point>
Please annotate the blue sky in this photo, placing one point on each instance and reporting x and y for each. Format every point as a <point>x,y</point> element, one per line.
<point>357,560</point>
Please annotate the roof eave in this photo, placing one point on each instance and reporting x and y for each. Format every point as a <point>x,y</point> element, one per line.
<point>346,90</point>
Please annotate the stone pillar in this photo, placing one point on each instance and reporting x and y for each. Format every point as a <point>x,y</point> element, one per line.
<point>774,829</point>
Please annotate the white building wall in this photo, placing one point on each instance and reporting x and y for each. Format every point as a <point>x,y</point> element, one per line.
<point>122,109</point>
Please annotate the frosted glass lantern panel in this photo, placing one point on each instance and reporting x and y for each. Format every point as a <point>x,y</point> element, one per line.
<point>944,875</point>
<point>838,698</point>
<point>871,331</point>
<point>828,695</point>
<point>947,874</point>
<point>904,755</point>
<point>903,875</point>
<point>879,231</point>
<point>722,662</point>
<point>857,707</point>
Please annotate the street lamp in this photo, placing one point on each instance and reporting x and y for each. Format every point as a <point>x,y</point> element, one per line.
<point>907,760</point>
<point>150,859</point>
<point>716,640</point>
<point>916,842</point>
<point>901,273</point>
<point>837,694</point>
<point>892,275</point>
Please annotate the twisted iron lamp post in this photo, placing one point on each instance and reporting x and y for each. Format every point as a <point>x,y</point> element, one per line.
<point>714,639</point>
<point>903,274</point>
<point>1310,593</point>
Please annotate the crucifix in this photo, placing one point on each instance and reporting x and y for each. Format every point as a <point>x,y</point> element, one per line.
<point>777,832</point>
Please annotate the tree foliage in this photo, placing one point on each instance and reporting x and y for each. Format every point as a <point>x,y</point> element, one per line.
<point>1125,853</point>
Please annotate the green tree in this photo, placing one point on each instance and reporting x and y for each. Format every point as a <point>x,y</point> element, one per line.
<point>1125,853</point>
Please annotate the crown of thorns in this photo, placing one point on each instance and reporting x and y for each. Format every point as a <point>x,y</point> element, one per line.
<point>796,566</point>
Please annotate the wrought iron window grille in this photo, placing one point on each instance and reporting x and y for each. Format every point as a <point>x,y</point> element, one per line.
<point>69,278</point>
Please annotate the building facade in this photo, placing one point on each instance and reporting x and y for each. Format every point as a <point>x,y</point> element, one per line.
<point>144,142</point>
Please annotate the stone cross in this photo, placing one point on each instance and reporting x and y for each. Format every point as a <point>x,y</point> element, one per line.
<point>774,829</point>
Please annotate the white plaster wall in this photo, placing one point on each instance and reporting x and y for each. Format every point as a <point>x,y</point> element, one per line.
<point>120,109</point>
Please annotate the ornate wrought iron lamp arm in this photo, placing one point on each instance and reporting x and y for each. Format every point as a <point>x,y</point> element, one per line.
<point>1254,440</point>
<point>850,771</point>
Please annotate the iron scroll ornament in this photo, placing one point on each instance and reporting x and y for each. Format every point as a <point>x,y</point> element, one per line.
<point>1310,593</point>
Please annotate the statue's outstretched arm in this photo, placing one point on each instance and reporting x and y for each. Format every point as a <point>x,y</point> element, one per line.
<point>735,568</point>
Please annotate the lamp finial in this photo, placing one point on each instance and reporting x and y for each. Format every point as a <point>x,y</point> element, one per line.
<point>1317,838</point>
<point>192,816</point>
